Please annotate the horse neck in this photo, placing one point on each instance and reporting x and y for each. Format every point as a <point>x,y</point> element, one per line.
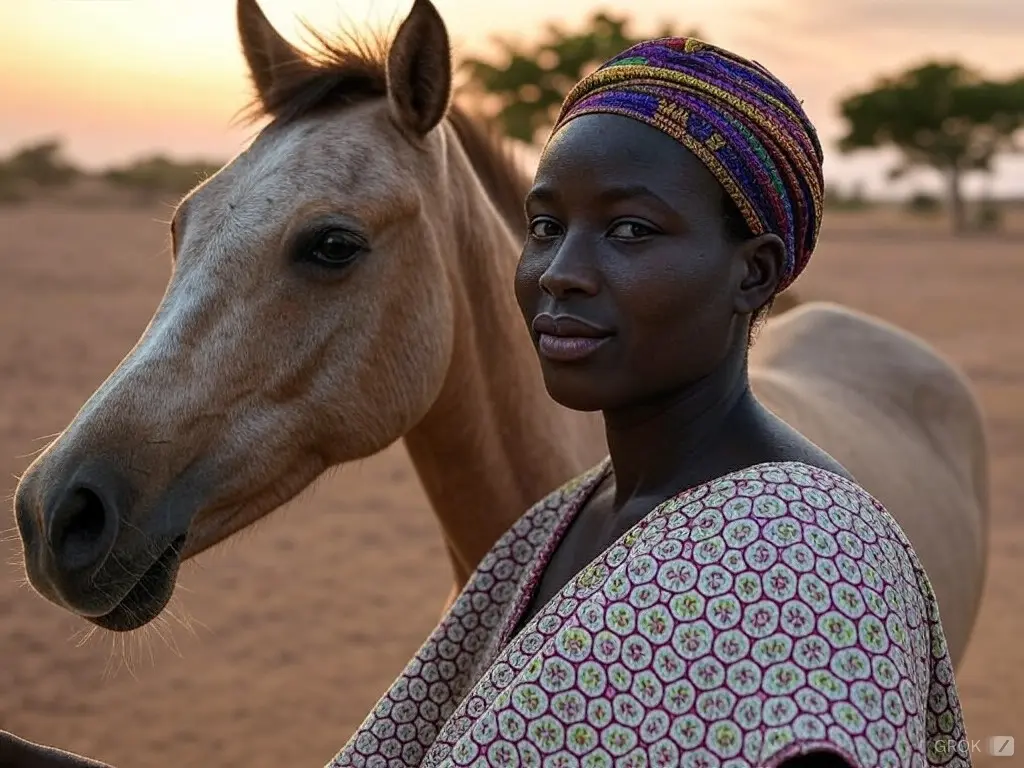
<point>493,443</point>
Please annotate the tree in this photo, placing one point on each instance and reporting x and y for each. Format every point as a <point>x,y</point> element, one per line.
<point>940,115</point>
<point>160,175</point>
<point>527,89</point>
<point>41,163</point>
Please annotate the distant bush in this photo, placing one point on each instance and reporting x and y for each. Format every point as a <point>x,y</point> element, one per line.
<point>10,190</point>
<point>42,164</point>
<point>989,216</point>
<point>39,165</point>
<point>158,175</point>
<point>923,203</point>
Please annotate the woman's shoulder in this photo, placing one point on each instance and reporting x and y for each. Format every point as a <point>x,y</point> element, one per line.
<point>771,533</point>
<point>796,486</point>
<point>819,507</point>
<point>780,584</point>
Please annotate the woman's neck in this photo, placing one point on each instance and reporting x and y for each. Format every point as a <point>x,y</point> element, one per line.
<point>686,437</point>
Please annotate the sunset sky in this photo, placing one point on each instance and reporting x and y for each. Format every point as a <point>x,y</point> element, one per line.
<point>120,78</point>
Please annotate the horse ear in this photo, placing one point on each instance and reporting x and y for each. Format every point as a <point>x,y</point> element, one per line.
<point>420,70</point>
<point>268,55</point>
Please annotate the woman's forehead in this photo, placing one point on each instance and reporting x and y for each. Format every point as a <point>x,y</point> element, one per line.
<point>602,152</point>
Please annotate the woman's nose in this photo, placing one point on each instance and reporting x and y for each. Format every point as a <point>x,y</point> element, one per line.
<point>572,270</point>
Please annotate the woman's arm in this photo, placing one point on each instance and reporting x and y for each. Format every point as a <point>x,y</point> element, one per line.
<point>16,752</point>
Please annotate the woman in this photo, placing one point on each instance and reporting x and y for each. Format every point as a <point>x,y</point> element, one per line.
<point>718,591</point>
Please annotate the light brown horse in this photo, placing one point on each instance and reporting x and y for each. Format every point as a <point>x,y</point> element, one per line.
<point>346,281</point>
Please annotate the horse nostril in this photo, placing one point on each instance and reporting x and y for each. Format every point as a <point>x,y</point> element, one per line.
<point>80,534</point>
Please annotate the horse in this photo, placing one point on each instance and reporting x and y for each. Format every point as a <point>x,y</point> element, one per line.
<point>345,281</point>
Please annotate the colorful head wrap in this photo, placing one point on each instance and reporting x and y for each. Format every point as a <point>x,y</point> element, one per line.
<point>743,123</point>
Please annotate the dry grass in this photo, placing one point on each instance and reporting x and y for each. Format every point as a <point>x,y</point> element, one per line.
<point>303,623</point>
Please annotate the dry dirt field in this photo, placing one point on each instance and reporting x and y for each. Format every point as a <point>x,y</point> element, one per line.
<point>299,625</point>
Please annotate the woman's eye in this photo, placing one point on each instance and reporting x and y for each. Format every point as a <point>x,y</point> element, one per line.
<point>630,230</point>
<point>544,229</point>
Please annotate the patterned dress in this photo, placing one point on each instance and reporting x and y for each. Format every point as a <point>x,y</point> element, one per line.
<point>773,611</point>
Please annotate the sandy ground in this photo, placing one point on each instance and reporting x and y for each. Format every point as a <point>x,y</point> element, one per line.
<point>300,624</point>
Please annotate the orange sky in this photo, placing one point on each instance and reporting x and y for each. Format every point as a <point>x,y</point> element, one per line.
<point>120,78</point>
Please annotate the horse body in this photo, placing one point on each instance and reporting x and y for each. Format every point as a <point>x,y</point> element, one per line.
<point>346,281</point>
<point>907,426</point>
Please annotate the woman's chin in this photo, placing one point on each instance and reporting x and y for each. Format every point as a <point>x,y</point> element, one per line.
<point>578,395</point>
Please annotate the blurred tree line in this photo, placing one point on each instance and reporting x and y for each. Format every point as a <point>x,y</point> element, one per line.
<point>942,116</point>
<point>43,166</point>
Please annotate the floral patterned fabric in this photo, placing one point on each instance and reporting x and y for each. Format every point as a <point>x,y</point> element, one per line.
<point>774,611</point>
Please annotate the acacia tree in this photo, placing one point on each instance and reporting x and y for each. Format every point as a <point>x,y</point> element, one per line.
<point>527,88</point>
<point>940,115</point>
<point>42,163</point>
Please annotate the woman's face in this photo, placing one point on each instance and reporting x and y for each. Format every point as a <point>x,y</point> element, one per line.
<point>629,282</point>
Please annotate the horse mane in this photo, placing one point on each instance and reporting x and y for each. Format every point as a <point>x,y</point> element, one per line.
<point>350,70</point>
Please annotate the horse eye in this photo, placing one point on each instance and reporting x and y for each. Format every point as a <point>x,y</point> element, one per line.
<point>335,248</point>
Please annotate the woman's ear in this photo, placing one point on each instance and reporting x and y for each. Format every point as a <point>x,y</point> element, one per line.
<point>761,261</point>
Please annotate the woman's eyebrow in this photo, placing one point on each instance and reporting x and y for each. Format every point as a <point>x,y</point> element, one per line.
<point>540,194</point>
<point>632,192</point>
<point>615,194</point>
